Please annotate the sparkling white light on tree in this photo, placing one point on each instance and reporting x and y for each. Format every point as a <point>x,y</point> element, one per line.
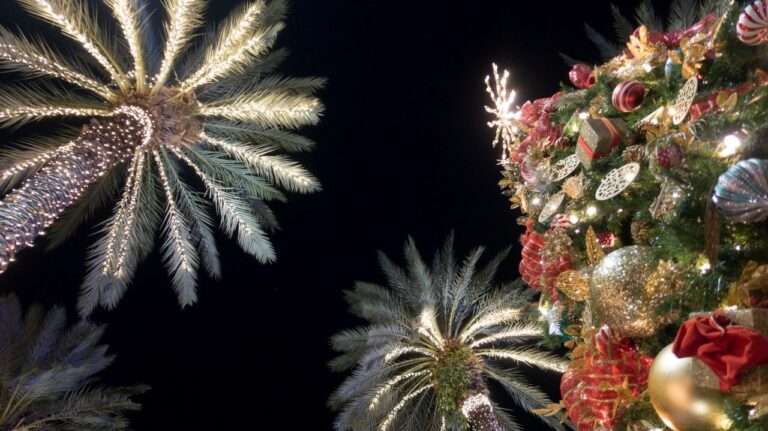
<point>127,15</point>
<point>504,110</point>
<point>184,18</point>
<point>479,413</point>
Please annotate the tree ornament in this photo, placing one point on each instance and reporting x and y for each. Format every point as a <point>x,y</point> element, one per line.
<point>752,27</point>
<point>595,253</point>
<point>582,76</point>
<point>617,181</point>
<point>673,69</point>
<point>617,292</point>
<point>641,232</point>
<point>562,221</point>
<point>574,284</point>
<point>551,207</point>
<point>667,203</point>
<point>574,187</point>
<point>634,154</point>
<point>684,100</point>
<point>606,376</point>
<point>741,193</point>
<point>679,401</point>
<point>598,137</point>
<point>669,156</point>
<point>628,96</point>
<point>563,168</point>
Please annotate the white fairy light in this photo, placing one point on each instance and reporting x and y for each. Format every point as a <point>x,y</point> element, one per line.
<point>730,146</point>
<point>406,399</point>
<point>49,111</point>
<point>127,16</point>
<point>505,113</point>
<point>174,216</point>
<point>394,353</point>
<point>528,331</point>
<point>184,16</point>
<point>42,64</point>
<point>391,384</point>
<point>491,319</point>
<point>591,211</point>
<point>541,362</point>
<point>71,28</point>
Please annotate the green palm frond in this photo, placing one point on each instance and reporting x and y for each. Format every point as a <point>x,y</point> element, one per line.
<point>48,374</point>
<point>434,339</point>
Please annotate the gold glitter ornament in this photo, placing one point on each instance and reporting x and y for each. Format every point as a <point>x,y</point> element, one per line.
<point>574,187</point>
<point>679,401</point>
<point>641,232</point>
<point>634,153</point>
<point>668,202</point>
<point>573,284</point>
<point>617,292</point>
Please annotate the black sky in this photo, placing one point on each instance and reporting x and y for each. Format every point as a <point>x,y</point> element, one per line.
<point>403,149</point>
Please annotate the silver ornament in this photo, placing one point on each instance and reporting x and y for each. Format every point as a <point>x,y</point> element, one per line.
<point>741,193</point>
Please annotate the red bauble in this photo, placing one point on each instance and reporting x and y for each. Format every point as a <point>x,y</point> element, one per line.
<point>596,389</point>
<point>669,156</point>
<point>628,96</point>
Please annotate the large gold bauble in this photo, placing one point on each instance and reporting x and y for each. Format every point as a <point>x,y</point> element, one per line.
<point>617,292</point>
<point>679,402</point>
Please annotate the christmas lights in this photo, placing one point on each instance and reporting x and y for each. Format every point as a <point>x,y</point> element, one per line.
<point>184,17</point>
<point>479,413</point>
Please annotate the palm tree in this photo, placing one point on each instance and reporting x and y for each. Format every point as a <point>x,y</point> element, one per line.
<point>155,123</point>
<point>435,337</point>
<point>47,374</point>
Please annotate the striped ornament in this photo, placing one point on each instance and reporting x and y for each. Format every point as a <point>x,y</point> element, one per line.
<point>741,193</point>
<point>628,96</point>
<point>752,27</point>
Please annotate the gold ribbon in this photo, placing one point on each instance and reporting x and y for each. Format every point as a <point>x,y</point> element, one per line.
<point>753,277</point>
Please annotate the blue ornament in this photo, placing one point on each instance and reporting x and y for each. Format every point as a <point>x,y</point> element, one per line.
<point>672,69</point>
<point>741,193</point>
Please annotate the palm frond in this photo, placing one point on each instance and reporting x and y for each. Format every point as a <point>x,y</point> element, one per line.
<point>250,132</point>
<point>245,37</point>
<point>196,210</point>
<point>22,104</point>
<point>645,14</point>
<point>20,54</point>
<point>606,48</point>
<point>269,109</point>
<point>528,356</point>
<point>184,16</point>
<point>526,396</point>
<point>621,24</point>
<point>79,23</point>
<point>178,248</point>
<point>237,220</point>
<point>126,238</point>
<point>127,15</point>
<point>93,199</point>
<point>277,169</point>
<point>257,69</point>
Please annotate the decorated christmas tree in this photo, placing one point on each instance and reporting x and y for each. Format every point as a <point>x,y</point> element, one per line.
<point>643,188</point>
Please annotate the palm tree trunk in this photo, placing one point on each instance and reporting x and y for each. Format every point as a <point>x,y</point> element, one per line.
<point>28,210</point>
<point>479,413</point>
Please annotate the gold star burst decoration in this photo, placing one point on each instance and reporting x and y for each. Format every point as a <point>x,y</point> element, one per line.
<point>170,136</point>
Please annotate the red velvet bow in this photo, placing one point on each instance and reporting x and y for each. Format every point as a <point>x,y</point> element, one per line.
<point>727,349</point>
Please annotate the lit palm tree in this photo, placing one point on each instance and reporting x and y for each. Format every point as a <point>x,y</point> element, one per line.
<point>155,122</point>
<point>435,337</point>
<point>47,374</point>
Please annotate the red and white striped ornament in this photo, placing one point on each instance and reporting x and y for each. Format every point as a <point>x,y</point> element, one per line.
<point>752,27</point>
<point>628,96</point>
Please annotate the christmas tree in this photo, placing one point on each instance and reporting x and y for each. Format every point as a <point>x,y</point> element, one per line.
<point>643,188</point>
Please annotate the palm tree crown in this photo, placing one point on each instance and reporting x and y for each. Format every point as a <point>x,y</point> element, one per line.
<point>435,337</point>
<point>47,374</point>
<point>161,126</point>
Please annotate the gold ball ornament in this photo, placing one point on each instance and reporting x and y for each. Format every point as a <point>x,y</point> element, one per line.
<point>617,292</point>
<point>679,402</point>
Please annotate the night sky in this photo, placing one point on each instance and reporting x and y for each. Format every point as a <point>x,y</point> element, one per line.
<point>403,149</point>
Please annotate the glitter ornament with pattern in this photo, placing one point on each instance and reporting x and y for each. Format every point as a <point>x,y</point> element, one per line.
<point>741,193</point>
